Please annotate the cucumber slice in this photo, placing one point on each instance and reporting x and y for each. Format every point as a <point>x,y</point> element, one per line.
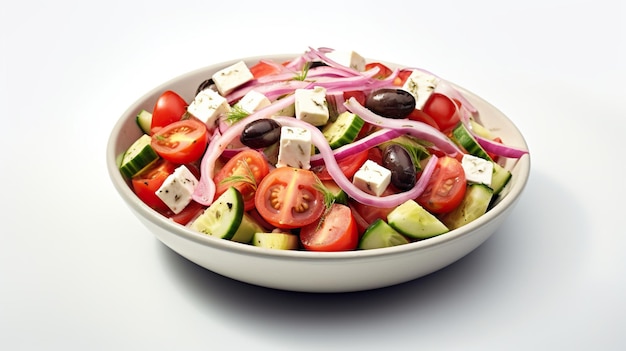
<point>223,217</point>
<point>466,140</point>
<point>144,121</point>
<point>480,130</point>
<point>339,196</point>
<point>474,204</point>
<point>246,229</point>
<point>343,130</point>
<point>138,156</point>
<point>414,221</point>
<point>277,241</point>
<point>380,234</point>
<point>500,178</point>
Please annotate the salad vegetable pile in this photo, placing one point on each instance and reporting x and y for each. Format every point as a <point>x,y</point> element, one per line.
<point>325,152</point>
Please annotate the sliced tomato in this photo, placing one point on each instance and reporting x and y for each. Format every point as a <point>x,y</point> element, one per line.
<point>359,95</point>
<point>348,165</point>
<point>493,156</point>
<point>403,75</point>
<point>443,110</point>
<point>421,116</point>
<point>182,141</point>
<point>336,230</point>
<point>383,72</point>
<point>169,108</point>
<point>190,212</point>
<point>446,188</point>
<point>146,183</point>
<point>371,213</point>
<point>263,68</point>
<point>243,171</point>
<point>287,198</point>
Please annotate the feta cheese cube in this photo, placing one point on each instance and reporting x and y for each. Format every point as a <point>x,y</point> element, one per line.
<point>294,148</point>
<point>228,79</point>
<point>372,178</point>
<point>477,170</point>
<point>349,59</point>
<point>177,189</point>
<point>311,106</point>
<point>253,101</point>
<point>421,85</point>
<point>207,106</point>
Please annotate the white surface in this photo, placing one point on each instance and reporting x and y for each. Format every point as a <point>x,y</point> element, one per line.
<point>78,270</point>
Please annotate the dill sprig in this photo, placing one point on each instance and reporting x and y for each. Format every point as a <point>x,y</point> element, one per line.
<point>329,200</point>
<point>247,178</point>
<point>304,72</point>
<point>236,114</point>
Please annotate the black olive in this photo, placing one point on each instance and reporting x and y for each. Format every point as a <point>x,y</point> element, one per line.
<point>391,103</point>
<point>206,84</point>
<point>398,160</point>
<point>313,64</point>
<point>260,133</point>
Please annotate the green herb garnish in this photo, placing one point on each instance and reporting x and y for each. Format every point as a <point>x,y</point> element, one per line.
<point>236,114</point>
<point>305,71</point>
<point>247,178</point>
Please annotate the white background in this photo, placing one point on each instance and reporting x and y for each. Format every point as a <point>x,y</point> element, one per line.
<point>78,271</point>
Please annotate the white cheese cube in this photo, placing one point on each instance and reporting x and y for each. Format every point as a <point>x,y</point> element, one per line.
<point>311,106</point>
<point>294,148</point>
<point>253,101</point>
<point>372,178</point>
<point>228,79</point>
<point>177,189</point>
<point>421,85</point>
<point>207,106</point>
<point>477,170</point>
<point>348,58</point>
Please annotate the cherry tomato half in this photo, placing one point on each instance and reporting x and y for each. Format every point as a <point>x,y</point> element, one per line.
<point>263,68</point>
<point>421,116</point>
<point>335,231</point>
<point>383,72</point>
<point>169,108</point>
<point>348,165</point>
<point>446,188</point>
<point>190,212</point>
<point>287,198</point>
<point>146,183</point>
<point>182,141</point>
<point>443,110</point>
<point>243,171</point>
<point>403,75</point>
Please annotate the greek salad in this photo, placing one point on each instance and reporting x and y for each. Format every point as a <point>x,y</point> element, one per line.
<point>327,151</point>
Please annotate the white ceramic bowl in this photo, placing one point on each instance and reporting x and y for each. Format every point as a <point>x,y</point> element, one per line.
<point>315,271</point>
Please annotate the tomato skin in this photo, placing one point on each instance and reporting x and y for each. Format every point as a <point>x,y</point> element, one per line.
<point>262,69</point>
<point>421,116</point>
<point>287,198</point>
<point>169,108</point>
<point>446,187</point>
<point>149,181</point>
<point>190,212</point>
<point>443,110</point>
<point>370,213</point>
<point>348,165</point>
<point>336,232</point>
<point>182,141</point>
<point>357,94</point>
<point>242,164</point>
<point>383,72</point>
<point>403,75</point>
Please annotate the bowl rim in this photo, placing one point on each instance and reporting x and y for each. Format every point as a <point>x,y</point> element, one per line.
<point>121,185</point>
